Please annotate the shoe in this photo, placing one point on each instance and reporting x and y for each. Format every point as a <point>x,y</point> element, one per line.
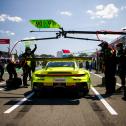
<point>119,90</point>
<point>108,93</point>
<point>2,79</point>
<point>25,86</point>
<point>124,98</point>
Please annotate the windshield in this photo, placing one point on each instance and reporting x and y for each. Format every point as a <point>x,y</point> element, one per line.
<point>60,64</point>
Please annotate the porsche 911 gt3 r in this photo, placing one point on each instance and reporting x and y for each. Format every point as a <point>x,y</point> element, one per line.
<point>61,74</point>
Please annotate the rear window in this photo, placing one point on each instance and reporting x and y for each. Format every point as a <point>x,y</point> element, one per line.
<point>60,64</point>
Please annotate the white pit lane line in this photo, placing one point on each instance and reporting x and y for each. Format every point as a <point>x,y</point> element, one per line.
<point>101,77</point>
<point>18,104</point>
<point>104,102</point>
<point>1,89</point>
<point>96,75</point>
<point>1,84</point>
<point>109,108</point>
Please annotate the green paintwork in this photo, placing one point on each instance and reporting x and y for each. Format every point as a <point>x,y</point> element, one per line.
<point>45,23</point>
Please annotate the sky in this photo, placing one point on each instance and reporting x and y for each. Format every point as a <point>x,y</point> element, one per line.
<point>84,15</point>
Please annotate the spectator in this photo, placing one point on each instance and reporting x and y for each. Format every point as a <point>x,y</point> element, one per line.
<point>2,63</point>
<point>87,65</point>
<point>11,69</point>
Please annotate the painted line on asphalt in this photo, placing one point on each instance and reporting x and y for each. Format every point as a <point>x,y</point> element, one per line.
<point>96,74</point>
<point>1,89</point>
<point>18,104</point>
<point>109,108</point>
<point>2,83</point>
<point>105,103</point>
<point>118,84</point>
<point>101,77</point>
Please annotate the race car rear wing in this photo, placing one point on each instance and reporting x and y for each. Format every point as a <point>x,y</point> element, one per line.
<point>81,59</point>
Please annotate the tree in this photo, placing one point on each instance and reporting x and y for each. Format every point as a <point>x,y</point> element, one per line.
<point>46,55</point>
<point>83,54</point>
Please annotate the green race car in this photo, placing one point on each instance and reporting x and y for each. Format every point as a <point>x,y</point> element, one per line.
<point>61,73</point>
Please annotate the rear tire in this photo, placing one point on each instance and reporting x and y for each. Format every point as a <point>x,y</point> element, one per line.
<point>36,93</point>
<point>83,90</point>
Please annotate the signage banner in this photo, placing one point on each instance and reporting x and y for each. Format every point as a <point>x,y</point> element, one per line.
<point>4,41</point>
<point>45,23</point>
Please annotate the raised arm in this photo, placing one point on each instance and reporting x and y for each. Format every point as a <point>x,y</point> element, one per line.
<point>32,52</point>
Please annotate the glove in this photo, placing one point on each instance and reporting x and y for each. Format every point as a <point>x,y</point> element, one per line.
<point>35,46</point>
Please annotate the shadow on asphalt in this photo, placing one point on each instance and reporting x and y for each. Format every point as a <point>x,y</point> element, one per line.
<point>10,88</point>
<point>11,93</point>
<point>53,98</point>
<point>56,98</point>
<point>11,102</point>
<point>54,101</point>
<point>99,85</point>
<point>111,94</point>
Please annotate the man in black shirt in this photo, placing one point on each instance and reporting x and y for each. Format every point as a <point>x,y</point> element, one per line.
<point>121,61</point>
<point>109,62</point>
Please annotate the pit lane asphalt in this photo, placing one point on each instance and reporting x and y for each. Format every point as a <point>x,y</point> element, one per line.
<point>62,110</point>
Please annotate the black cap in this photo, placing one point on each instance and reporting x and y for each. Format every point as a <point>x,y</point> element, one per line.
<point>120,44</point>
<point>103,44</point>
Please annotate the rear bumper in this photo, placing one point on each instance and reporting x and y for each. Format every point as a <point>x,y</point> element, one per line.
<point>36,86</point>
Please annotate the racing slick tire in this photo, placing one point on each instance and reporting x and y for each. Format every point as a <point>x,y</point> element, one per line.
<point>13,83</point>
<point>39,92</point>
<point>36,93</point>
<point>83,90</point>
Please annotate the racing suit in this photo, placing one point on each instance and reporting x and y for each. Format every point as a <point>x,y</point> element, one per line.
<point>109,62</point>
<point>121,60</point>
<point>25,65</point>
